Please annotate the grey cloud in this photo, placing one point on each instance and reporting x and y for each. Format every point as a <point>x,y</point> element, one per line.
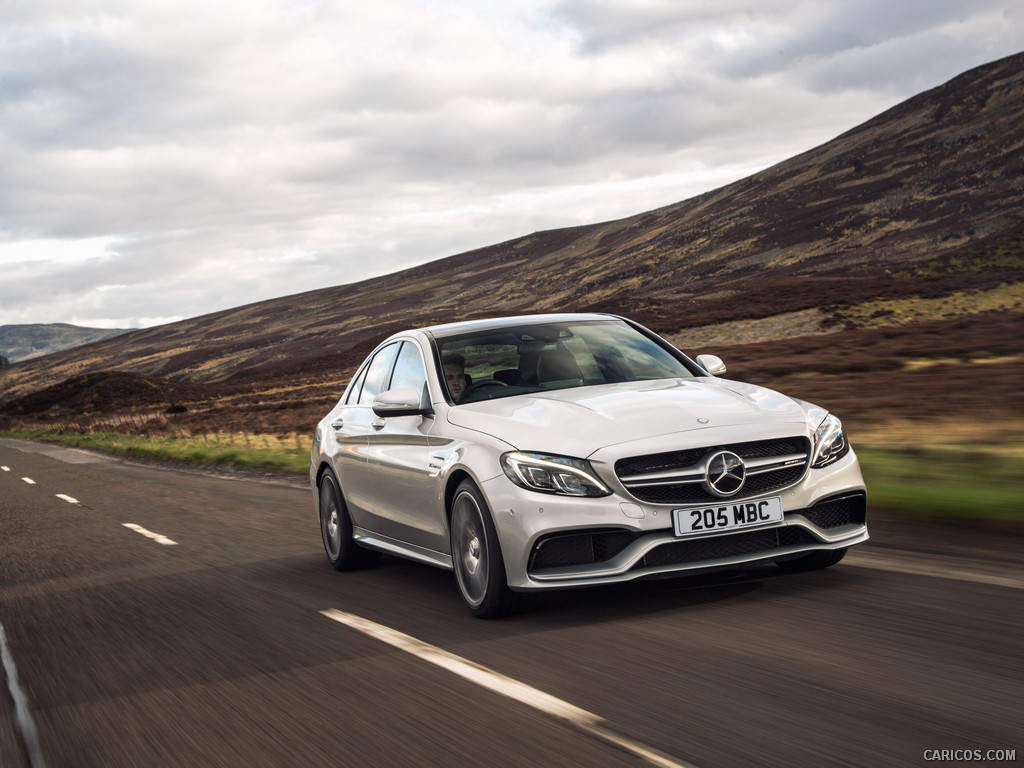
<point>80,90</point>
<point>606,24</point>
<point>860,44</point>
<point>212,144</point>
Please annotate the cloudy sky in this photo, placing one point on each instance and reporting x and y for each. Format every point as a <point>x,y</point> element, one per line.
<point>160,159</point>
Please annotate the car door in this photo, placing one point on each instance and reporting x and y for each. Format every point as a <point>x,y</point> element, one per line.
<point>351,423</point>
<point>402,483</point>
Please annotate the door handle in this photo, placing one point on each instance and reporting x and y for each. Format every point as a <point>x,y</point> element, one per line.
<point>377,423</point>
<point>337,424</point>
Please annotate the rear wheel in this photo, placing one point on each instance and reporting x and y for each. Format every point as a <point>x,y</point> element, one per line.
<point>476,556</point>
<point>815,561</point>
<point>336,528</point>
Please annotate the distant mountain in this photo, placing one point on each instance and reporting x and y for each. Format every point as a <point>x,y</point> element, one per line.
<point>925,200</point>
<point>24,342</point>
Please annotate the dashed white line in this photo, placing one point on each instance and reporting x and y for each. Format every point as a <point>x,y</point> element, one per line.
<point>6,469</point>
<point>506,686</point>
<point>157,537</point>
<point>68,499</point>
<point>29,480</point>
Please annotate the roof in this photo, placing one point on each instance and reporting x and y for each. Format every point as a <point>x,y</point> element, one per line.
<point>451,329</point>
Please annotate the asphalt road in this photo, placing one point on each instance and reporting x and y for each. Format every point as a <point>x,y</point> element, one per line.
<point>124,649</point>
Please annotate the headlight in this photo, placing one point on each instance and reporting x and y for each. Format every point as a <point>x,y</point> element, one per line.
<point>829,443</point>
<point>552,474</point>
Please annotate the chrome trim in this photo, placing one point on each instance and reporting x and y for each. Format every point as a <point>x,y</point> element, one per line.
<point>696,471</point>
<point>373,540</point>
<point>759,466</point>
<point>667,477</point>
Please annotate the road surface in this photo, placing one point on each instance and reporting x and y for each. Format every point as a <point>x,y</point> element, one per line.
<point>155,617</point>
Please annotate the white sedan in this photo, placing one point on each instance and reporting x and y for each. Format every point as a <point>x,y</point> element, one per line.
<point>553,451</point>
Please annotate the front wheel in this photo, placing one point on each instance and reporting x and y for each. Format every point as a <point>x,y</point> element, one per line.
<point>815,561</point>
<point>476,555</point>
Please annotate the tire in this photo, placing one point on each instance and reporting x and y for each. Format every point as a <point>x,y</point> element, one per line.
<point>336,529</point>
<point>815,561</point>
<point>476,556</point>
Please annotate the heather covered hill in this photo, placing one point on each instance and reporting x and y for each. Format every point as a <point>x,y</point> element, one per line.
<point>923,203</point>
<point>104,391</point>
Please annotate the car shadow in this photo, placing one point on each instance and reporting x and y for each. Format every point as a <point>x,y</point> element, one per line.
<point>428,597</point>
<point>423,601</point>
<point>671,593</point>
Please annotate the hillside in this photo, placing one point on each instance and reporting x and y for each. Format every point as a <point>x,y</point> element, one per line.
<point>916,216</point>
<point>24,342</point>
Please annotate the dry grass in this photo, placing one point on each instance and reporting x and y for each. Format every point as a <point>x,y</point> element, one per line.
<point>873,314</point>
<point>1003,437</point>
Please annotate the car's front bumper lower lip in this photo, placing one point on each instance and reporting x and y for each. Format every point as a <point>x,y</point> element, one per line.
<point>662,552</point>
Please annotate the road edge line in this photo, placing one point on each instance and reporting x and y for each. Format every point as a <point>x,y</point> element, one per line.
<point>936,569</point>
<point>26,727</point>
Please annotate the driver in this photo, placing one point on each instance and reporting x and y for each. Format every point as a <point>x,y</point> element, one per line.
<point>455,375</point>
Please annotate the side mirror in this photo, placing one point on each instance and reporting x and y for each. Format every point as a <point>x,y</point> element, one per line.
<point>712,364</point>
<point>403,401</point>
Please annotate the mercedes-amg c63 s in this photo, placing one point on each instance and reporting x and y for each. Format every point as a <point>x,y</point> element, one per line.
<point>554,451</point>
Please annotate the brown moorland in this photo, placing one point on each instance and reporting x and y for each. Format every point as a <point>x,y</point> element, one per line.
<point>880,274</point>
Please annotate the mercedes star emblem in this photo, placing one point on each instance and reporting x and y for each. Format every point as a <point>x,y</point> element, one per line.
<point>725,474</point>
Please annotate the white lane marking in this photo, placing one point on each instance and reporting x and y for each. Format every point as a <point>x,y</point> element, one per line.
<point>939,569</point>
<point>23,717</point>
<point>157,537</point>
<point>495,681</point>
<point>29,480</point>
<point>6,469</point>
<point>68,499</point>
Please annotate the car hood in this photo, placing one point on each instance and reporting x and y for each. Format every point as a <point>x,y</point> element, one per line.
<point>577,422</point>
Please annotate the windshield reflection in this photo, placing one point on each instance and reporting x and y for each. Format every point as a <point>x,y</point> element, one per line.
<point>535,358</point>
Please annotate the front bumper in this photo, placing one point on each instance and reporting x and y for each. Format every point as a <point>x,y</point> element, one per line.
<point>555,541</point>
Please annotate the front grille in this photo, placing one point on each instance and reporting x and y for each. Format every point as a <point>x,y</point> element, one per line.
<point>731,545</point>
<point>832,513</point>
<point>560,550</point>
<point>680,474</point>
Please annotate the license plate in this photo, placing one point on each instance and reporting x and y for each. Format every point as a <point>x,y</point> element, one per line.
<point>713,518</point>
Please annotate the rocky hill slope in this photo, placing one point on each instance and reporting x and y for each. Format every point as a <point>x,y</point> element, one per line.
<point>24,342</point>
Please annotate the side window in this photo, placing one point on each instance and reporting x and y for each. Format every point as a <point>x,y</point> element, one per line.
<point>409,370</point>
<point>353,391</point>
<point>377,373</point>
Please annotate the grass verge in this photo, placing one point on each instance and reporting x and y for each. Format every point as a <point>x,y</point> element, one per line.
<point>951,483</point>
<point>220,449</point>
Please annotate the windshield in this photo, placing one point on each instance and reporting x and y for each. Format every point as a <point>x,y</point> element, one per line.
<point>535,358</point>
